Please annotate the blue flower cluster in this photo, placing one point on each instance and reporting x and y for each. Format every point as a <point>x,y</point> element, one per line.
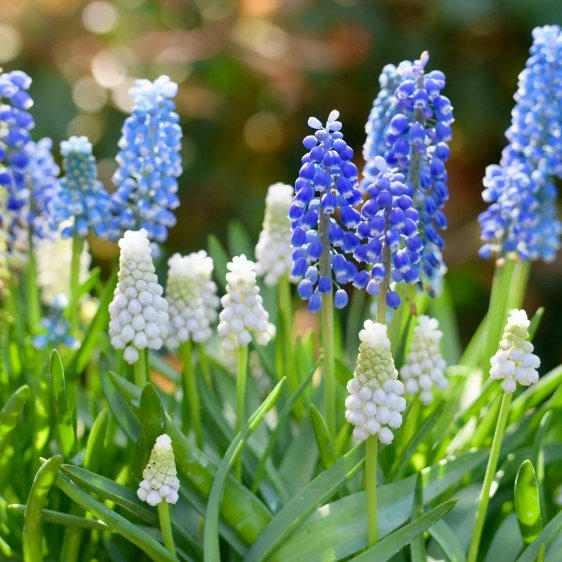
<point>56,327</point>
<point>390,227</point>
<point>81,195</point>
<point>327,182</point>
<point>149,163</point>
<point>417,127</point>
<point>521,217</point>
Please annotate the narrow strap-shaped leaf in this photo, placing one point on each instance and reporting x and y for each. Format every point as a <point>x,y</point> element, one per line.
<point>323,487</point>
<point>211,534</point>
<point>550,533</point>
<point>10,414</point>
<point>59,518</point>
<point>447,540</point>
<point>119,407</point>
<point>220,259</point>
<point>32,529</point>
<point>96,439</point>
<point>91,282</point>
<point>538,458</point>
<point>61,407</point>
<point>417,546</point>
<point>536,322</point>
<point>540,555</point>
<point>507,543</point>
<point>118,523</point>
<point>392,544</point>
<point>323,438</point>
<point>527,504</point>
<point>239,241</point>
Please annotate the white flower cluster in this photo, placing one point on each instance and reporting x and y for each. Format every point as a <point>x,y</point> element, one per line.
<point>139,312</point>
<point>188,316</point>
<point>425,367</point>
<point>274,250</point>
<point>202,266</point>
<point>54,257</point>
<point>514,361</point>
<point>243,309</point>
<point>160,475</point>
<point>375,399</point>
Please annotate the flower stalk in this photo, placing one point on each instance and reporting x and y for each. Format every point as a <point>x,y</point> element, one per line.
<point>166,526</point>
<point>241,379</point>
<point>77,245</point>
<point>190,404</point>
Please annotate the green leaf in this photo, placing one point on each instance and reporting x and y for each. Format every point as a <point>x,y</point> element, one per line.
<point>153,419</point>
<point>535,322</point>
<point>10,414</point>
<point>58,518</point>
<point>527,504</point>
<point>220,259</point>
<point>548,535</point>
<point>417,546</point>
<point>115,521</point>
<point>446,539</point>
<point>507,542</point>
<point>32,529</point>
<point>211,534</point>
<point>96,439</point>
<point>538,458</point>
<point>392,544</point>
<point>99,324</point>
<point>239,241</point>
<point>540,555</point>
<point>61,407</point>
<point>340,527</point>
<point>304,504</point>
<point>322,436</point>
<point>443,309</point>
<point>90,283</point>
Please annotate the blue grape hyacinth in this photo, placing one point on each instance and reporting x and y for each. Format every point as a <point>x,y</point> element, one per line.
<point>56,327</point>
<point>327,182</point>
<point>521,218</point>
<point>82,196</point>
<point>149,164</point>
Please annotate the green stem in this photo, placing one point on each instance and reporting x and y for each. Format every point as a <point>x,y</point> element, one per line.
<point>204,364</point>
<point>488,479</point>
<point>287,311</point>
<point>33,301</point>
<point>241,377</point>
<point>166,526</point>
<point>141,369</point>
<point>77,245</point>
<point>190,393</point>
<point>371,489</point>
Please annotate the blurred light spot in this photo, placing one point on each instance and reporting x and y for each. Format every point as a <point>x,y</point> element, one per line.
<point>109,67</point>
<point>261,36</point>
<point>215,10</point>
<point>120,95</point>
<point>262,132</point>
<point>10,43</point>
<point>100,17</point>
<point>86,125</point>
<point>88,95</point>
<point>198,101</point>
<point>258,8</point>
<point>106,169</point>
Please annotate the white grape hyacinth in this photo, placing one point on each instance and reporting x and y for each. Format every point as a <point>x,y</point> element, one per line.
<point>160,475</point>
<point>54,258</point>
<point>243,310</point>
<point>375,402</point>
<point>274,250</point>
<point>202,265</point>
<point>188,316</point>
<point>424,367</point>
<point>515,361</point>
<point>139,312</point>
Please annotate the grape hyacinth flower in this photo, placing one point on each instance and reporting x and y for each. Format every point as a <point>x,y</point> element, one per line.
<point>515,362</point>
<point>54,256</point>
<point>243,311</point>
<point>149,162</point>
<point>521,217</point>
<point>375,402</point>
<point>139,312</point>
<point>274,250</point>
<point>82,196</point>
<point>188,316</point>
<point>202,265</point>
<point>160,475</point>
<point>56,327</point>
<point>327,182</point>
<point>424,367</point>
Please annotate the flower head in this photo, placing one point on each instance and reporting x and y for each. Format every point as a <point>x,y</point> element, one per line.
<point>375,402</point>
<point>327,181</point>
<point>521,217</point>
<point>187,312</point>
<point>149,163</point>
<point>202,266</point>
<point>243,311</point>
<point>425,367</point>
<point>274,250</point>
<point>160,475</point>
<point>515,362</point>
<point>139,312</point>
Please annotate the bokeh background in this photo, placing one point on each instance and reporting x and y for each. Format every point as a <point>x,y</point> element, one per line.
<point>251,72</point>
